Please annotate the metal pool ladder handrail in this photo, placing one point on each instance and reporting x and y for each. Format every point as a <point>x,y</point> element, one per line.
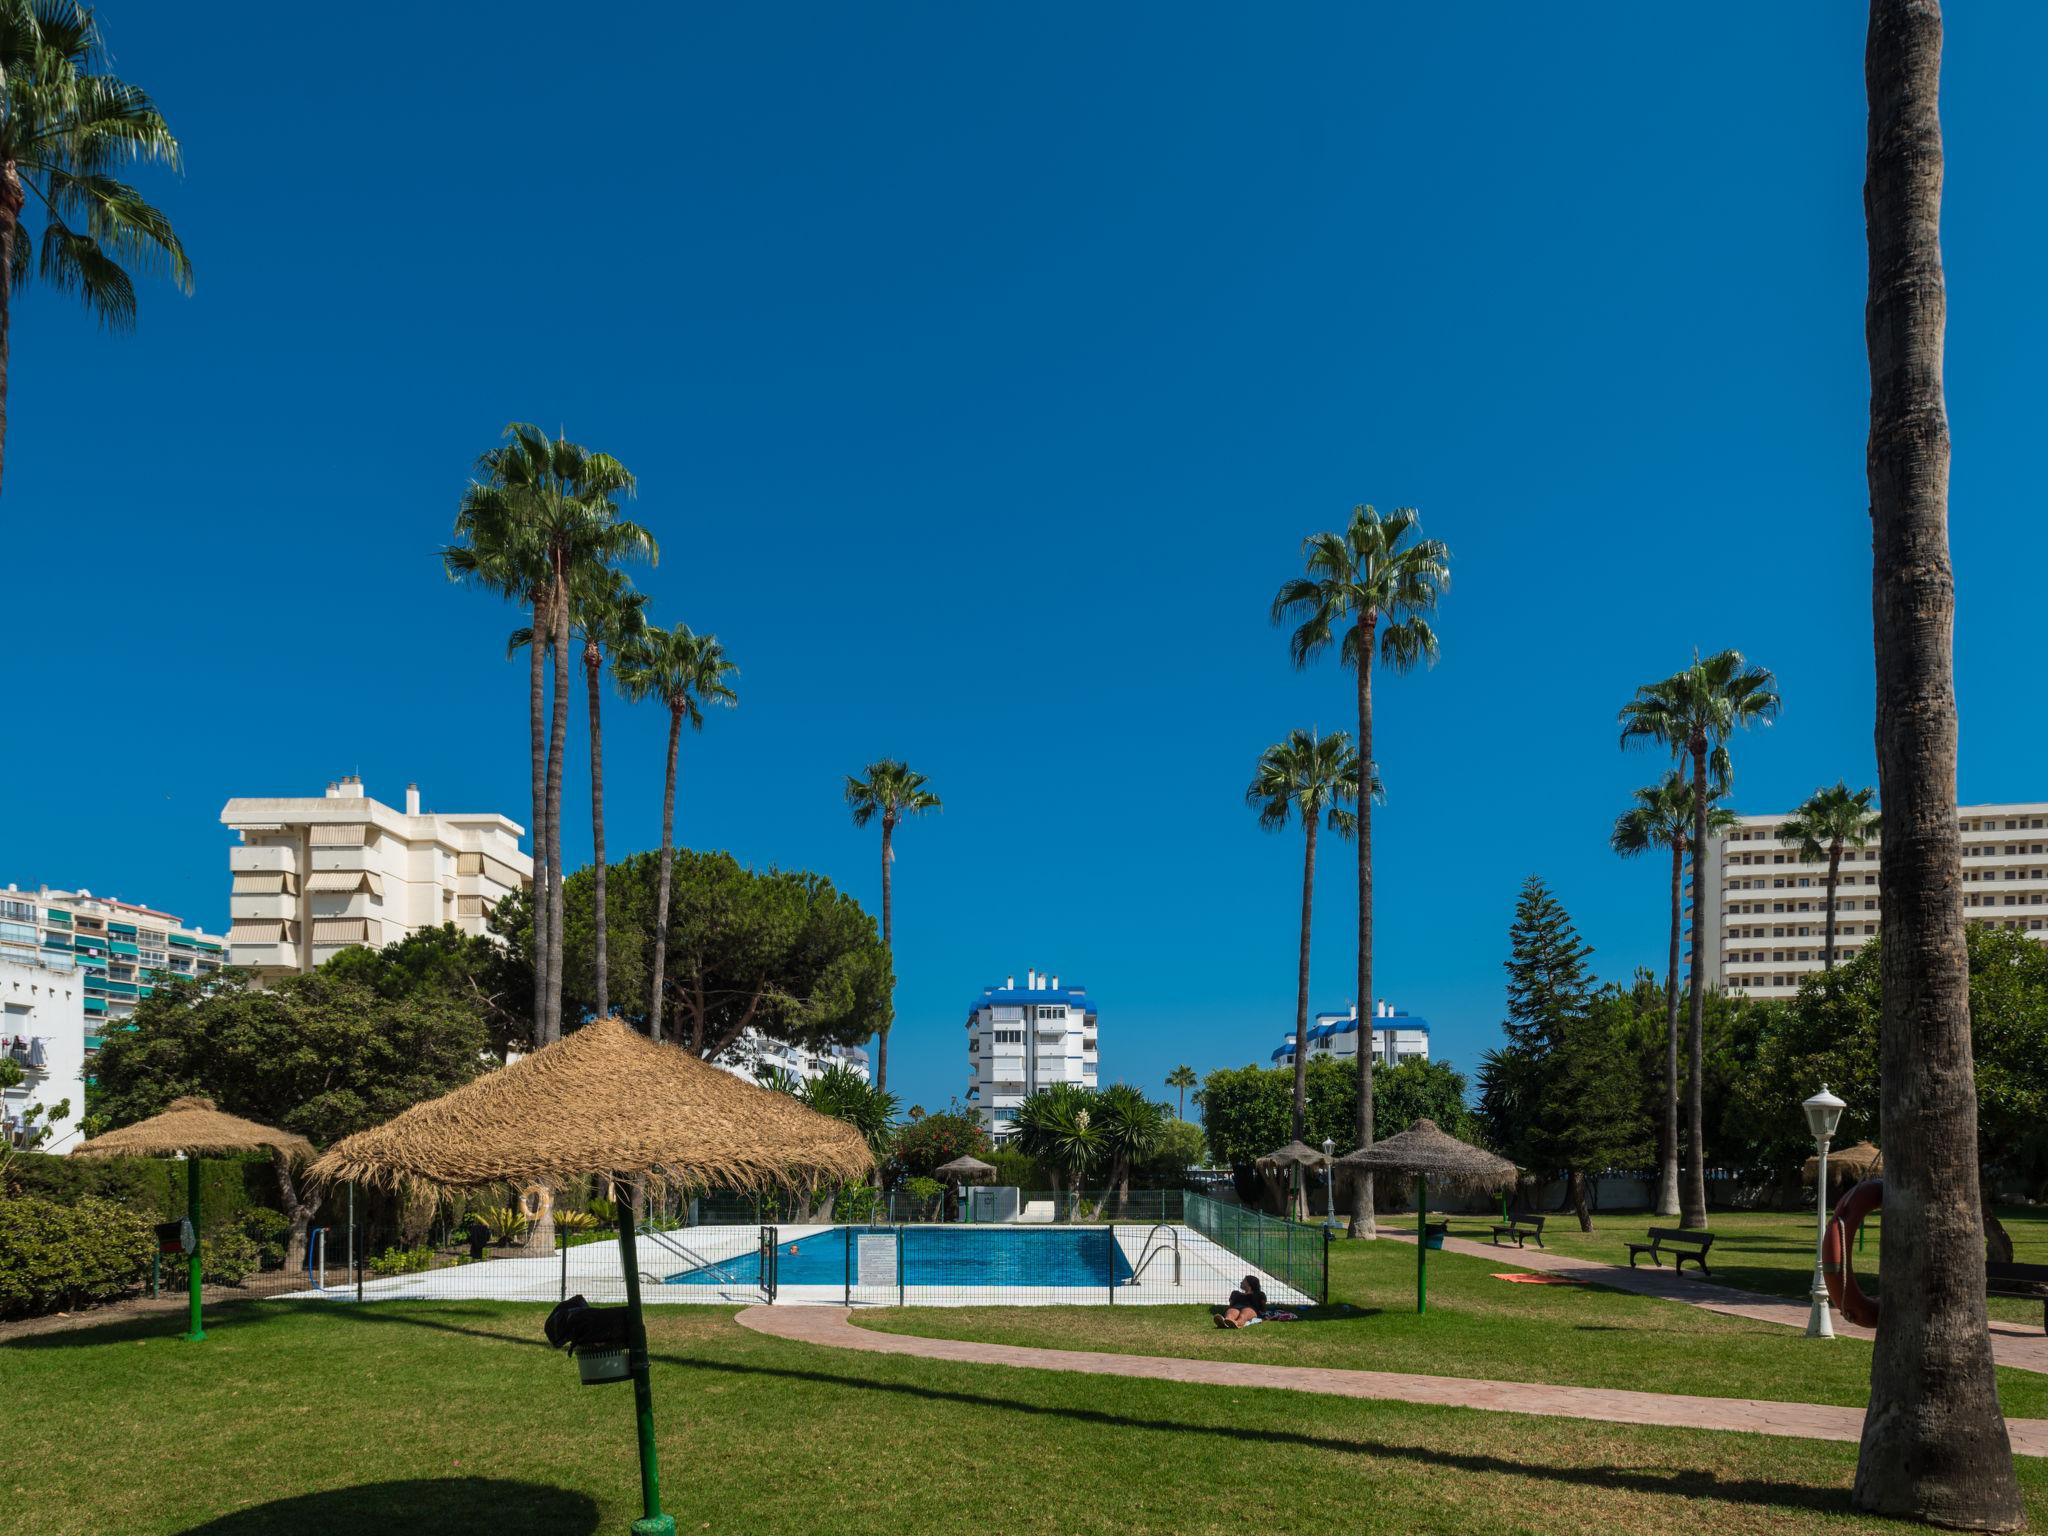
<point>1147,1253</point>
<point>690,1256</point>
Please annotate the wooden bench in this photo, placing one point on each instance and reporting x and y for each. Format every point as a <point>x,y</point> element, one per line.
<point>1677,1242</point>
<point>1520,1228</point>
<point>2028,1281</point>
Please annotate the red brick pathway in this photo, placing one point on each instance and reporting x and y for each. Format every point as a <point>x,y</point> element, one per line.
<point>829,1326</point>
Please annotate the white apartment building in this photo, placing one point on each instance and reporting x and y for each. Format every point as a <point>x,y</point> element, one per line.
<point>754,1056</point>
<point>1022,1039</point>
<point>316,874</point>
<point>42,1031</point>
<point>119,949</point>
<point>1396,1037</point>
<point>1767,915</point>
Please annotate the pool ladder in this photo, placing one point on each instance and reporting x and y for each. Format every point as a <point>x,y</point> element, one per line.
<point>691,1257</point>
<point>1147,1253</point>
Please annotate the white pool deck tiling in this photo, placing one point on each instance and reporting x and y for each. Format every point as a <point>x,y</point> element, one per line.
<point>1208,1273</point>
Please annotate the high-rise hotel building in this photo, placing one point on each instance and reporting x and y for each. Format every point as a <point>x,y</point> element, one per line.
<point>1022,1039</point>
<point>315,874</point>
<point>1766,924</point>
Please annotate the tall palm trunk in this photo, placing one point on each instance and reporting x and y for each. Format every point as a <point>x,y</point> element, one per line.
<point>537,722</point>
<point>1834,877</point>
<point>1934,1442</point>
<point>1667,1186</point>
<point>666,874</point>
<point>593,660</point>
<point>1692,1202</point>
<point>1308,891</point>
<point>1362,1223</point>
<point>11,199</point>
<point>558,731</point>
<point>888,948</point>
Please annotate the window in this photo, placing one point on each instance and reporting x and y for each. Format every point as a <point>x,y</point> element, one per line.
<point>1009,1037</point>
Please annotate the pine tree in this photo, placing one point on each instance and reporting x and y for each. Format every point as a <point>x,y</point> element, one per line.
<point>1549,987</point>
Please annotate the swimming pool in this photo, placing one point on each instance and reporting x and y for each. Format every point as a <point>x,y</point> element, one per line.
<point>1010,1257</point>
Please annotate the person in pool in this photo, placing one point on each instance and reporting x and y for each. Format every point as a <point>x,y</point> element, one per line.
<point>1247,1306</point>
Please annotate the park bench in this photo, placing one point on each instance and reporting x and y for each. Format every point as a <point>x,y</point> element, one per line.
<point>1677,1242</point>
<point>2029,1281</point>
<point>1520,1228</point>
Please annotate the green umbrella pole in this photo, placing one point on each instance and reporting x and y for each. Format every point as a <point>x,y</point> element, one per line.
<point>1421,1242</point>
<point>652,1522</point>
<point>196,1332</point>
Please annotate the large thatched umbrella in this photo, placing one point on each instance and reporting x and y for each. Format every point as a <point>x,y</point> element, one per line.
<point>1294,1159</point>
<point>607,1100</point>
<point>193,1127</point>
<point>1854,1164</point>
<point>965,1169</point>
<point>1428,1153</point>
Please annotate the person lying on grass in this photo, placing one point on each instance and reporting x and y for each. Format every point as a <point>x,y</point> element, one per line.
<point>1247,1305</point>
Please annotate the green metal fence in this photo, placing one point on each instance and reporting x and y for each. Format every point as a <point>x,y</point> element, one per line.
<point>1286,1250</point>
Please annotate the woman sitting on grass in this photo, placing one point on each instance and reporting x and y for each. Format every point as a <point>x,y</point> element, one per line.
<point>1247,1306</point>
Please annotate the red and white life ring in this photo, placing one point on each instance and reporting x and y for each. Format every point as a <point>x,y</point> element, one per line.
<point>1838,1242</point>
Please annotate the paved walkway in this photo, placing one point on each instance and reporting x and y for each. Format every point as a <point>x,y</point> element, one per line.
<point>829,1326</point>
<point>2012,1344</point>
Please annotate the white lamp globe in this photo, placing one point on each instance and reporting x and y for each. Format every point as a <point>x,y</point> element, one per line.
<point>1823,1114</point>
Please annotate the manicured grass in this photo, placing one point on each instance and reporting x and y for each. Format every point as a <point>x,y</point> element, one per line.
<point>321,1419</point>
<point>1769,1251</point>
<point>1476,1326</point>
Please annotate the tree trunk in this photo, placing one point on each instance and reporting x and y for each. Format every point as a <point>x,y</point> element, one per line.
<point>298,1206</point>
<point>558,732</point>
<point>11,199</point>
<point>1667,1160</point>
<point>1834,875</point>
<point>1362,1223</point>
<point>537,722</point>
<point>1692,1201</point>
<point>1308,893</point>
<point>593,661</point>
<point>889,948</point>
<point>665,876</point>
<point>1575,1198</point>
<point>1934,1442</point>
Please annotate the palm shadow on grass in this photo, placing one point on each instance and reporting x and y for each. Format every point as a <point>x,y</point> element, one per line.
<point>499,1506</point>
<point>1676,1482</point>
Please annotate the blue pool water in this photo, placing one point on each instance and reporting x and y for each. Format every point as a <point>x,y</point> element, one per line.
<point>957,1256</point>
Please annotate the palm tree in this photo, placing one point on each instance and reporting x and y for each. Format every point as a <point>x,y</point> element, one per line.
<point>608,615</point>
<point>1129,1125</point>
<point>1695,712</point>
<point>1182,1077</point>
<point>1056,1125</point>
<point>1934,1444</point>
<point>64,127</point>
<point>538,512</point>
<point>1662,818</point>
<point>1830,821</point>
<point>1378,568</point>
<point>1315,775</point>
<point>845,1094</point>
<point>685,671</point>
<point>893,790</point>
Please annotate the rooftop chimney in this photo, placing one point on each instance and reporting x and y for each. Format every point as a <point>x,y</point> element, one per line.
<point>1055,983</point>
<point>1009,983</point>
<point>412,799</point>
<point>333,790</point>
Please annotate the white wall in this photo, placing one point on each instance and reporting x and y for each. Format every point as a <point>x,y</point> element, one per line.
<point>38,1002</point>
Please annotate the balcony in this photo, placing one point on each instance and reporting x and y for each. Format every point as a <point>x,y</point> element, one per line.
<point>265,860</point>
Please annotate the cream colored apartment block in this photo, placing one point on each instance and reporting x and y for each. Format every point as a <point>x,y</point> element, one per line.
<point>313,875</point>
<point>1767,907</point>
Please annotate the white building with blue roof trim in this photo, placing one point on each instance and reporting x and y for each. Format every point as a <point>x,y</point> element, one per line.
<point>1396,1037</point>
<point>1022,1039</point>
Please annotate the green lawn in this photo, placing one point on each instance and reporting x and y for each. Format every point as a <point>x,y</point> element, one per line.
<point>1476,1326</point>
<point>1770,1251</point>
<point>320,1419</point>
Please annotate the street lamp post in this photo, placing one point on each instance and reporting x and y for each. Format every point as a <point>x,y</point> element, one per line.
<point>1329,1152</point>
<point>1823,1114</point>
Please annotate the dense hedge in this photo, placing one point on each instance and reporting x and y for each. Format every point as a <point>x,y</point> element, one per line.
<point>153,1187</point>
<point>54,1256</point>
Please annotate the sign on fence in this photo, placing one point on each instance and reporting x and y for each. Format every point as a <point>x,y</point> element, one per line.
<point>877,1259</point>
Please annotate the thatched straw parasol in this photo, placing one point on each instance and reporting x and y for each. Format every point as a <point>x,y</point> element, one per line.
<point>1294,1160</point>
<point>964,1168</point>
<point>1429,1153</point>
<point>193,1127</point>
<point>1855,1164</point>
<point>607,1100</point>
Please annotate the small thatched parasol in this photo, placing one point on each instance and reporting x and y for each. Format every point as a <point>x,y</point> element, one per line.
<point>1855,1164</point>
<point>1293,1161</point>
<point>1429,1153</point>
<point>962,1169</point>
<point>607,1100</point>
<point>193,1127</point>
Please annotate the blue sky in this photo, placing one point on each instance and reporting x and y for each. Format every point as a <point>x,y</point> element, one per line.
<point>983,368</point>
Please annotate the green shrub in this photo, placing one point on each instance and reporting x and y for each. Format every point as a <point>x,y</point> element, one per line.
<point>57,1256</point>
<point>227,1256</point>
<point>270,1232</point>
<point>153,1187</point>
<point>854,1202</point>
<point>925,1194</point>
<point>402,1261</point>
<point>575,1221</point>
